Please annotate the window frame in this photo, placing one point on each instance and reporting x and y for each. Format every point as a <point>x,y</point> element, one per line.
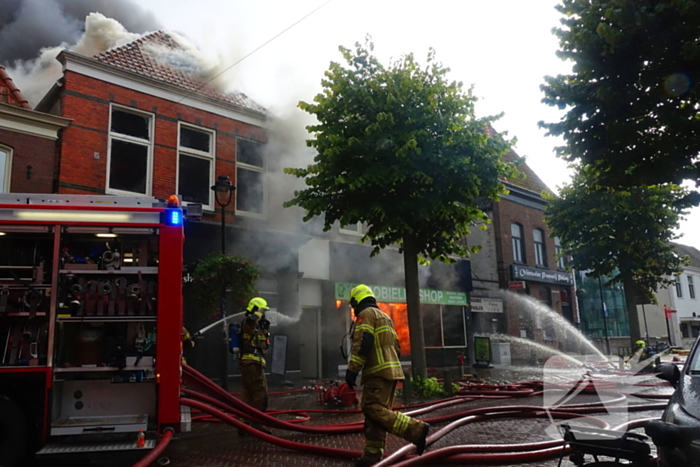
<point>540,247</point>
<point>560,257</point>
<point>133,140</point>
<point>679,287</point>
<point>520,249</point>
<point>7,181</point>
<point>442,328</point>
<point>262,170</point>
<point>360,232</point>
<point>189,152</point>
<point>691,287</point>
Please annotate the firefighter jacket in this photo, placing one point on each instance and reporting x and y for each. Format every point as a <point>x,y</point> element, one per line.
<point>254,341</point>
<point>375,346</point>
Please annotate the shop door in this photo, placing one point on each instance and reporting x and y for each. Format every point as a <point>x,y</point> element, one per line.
<point>309,336</point>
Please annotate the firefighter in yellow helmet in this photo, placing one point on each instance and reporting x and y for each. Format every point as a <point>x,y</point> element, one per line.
<point>255,340</point>
<point>375,351</point>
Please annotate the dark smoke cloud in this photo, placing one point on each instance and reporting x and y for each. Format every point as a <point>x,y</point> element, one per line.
<point>27,26</point>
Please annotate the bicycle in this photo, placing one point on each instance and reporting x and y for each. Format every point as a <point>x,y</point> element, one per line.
<point>677,446</point>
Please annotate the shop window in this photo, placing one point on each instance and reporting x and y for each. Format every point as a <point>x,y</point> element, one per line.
<point>679,288</point>
<point>453,326</point>
<point>5,168</point>
<point>195,170</point>
<point>432,325</point>
<point>130,152</point>
<point>516,233</point>
<point>250,172</point>
<point>443,326</point>
<point>540,249</point>
<point>691,287</point>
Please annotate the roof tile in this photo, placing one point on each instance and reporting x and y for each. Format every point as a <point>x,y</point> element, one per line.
<point>138,57</point>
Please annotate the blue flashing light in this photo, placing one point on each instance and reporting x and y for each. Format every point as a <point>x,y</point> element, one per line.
<point>173,216</point>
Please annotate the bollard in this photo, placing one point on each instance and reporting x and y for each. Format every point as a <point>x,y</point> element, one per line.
<point>407,389</point>
<point>447,382</point>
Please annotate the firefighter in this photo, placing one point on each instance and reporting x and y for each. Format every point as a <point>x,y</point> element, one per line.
<point>375,351</point>
<point>254,344</point>
<point>187,342</point>
<point>645,354</point>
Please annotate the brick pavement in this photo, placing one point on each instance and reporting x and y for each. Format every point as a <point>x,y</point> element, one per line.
<point>213,444</point>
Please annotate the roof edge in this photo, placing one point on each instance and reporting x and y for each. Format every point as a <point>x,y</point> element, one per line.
<point>65,58</point>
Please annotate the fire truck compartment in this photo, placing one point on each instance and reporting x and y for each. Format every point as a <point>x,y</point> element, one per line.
<point>99,425</point>
<point>82,405</point>
<point>75,448</point>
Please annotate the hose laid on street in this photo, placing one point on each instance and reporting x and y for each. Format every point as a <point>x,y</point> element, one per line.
<point>221,405</point>
<point>149,458</point>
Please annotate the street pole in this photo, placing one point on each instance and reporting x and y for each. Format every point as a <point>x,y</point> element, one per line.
<point>646,328</point>
<point>605,314</point>
<point>224,369</point>
<point>223,191</point>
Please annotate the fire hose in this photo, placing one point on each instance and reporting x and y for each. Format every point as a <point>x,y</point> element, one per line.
<point>217,404</point>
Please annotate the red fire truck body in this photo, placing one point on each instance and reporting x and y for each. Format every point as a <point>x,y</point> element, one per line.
<point>90,319</point>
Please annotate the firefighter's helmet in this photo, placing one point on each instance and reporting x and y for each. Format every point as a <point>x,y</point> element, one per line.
<point>641,343</point>
<point>256,304</point>
<point>359,293</point>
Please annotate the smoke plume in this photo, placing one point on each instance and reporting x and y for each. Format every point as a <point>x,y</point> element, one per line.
<point>28,26</point>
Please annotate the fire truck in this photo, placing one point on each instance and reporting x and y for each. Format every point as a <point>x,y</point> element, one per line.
<point>90,322</point>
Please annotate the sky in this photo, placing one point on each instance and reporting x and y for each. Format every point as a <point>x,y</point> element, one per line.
<point>278,50</point>
<point>503,48</point>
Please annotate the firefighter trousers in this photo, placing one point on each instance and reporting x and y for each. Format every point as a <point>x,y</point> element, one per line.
<point>377,401</point>
<point>254,387</point>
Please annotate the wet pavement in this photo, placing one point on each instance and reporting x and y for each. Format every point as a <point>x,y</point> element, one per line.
<point>213,444</point>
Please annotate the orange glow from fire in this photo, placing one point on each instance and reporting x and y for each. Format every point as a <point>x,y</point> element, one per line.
<point>398,314</point>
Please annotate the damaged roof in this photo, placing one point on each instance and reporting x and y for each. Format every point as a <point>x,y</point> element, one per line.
<point>9,92</point>
<point>138,57</point>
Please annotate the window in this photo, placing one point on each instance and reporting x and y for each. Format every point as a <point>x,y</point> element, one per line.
<point>250,170</point>
<point>691,287</point>
<point>516,232</point>
<point>559,251</point>
<point>5,168</point>
<point>353,229</point>
<point>679,288</point>
<point>540,249</point>
<point>130,152</point>
<point>443,326</point>
<point>195,166</point>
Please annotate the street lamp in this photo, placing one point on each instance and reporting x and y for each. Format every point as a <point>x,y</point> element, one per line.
<point>223,191</point>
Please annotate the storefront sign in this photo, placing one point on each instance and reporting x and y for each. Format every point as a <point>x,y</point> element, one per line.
<point>487,305</point>
<point>385,293</point>
<point>516,285</point>
<point>523,273</point>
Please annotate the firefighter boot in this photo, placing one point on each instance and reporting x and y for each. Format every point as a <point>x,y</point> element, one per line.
<point>362,462</point>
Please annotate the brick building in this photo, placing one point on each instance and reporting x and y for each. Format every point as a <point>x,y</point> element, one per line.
<point>528,261</point>
<point>28,142</point>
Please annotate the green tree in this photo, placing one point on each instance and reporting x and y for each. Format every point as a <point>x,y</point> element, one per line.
<point>632,99</point>
<point>400,149</point>
<point>622,233</point>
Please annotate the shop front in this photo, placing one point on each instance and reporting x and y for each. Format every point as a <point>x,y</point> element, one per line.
<point>444,319</point>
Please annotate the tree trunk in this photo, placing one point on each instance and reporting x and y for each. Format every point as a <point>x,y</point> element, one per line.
<point>415,318</point>
<point>631,299</point>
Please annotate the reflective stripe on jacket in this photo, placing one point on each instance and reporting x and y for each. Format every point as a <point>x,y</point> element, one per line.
<point>383,359</point>
<point>254,342</point>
